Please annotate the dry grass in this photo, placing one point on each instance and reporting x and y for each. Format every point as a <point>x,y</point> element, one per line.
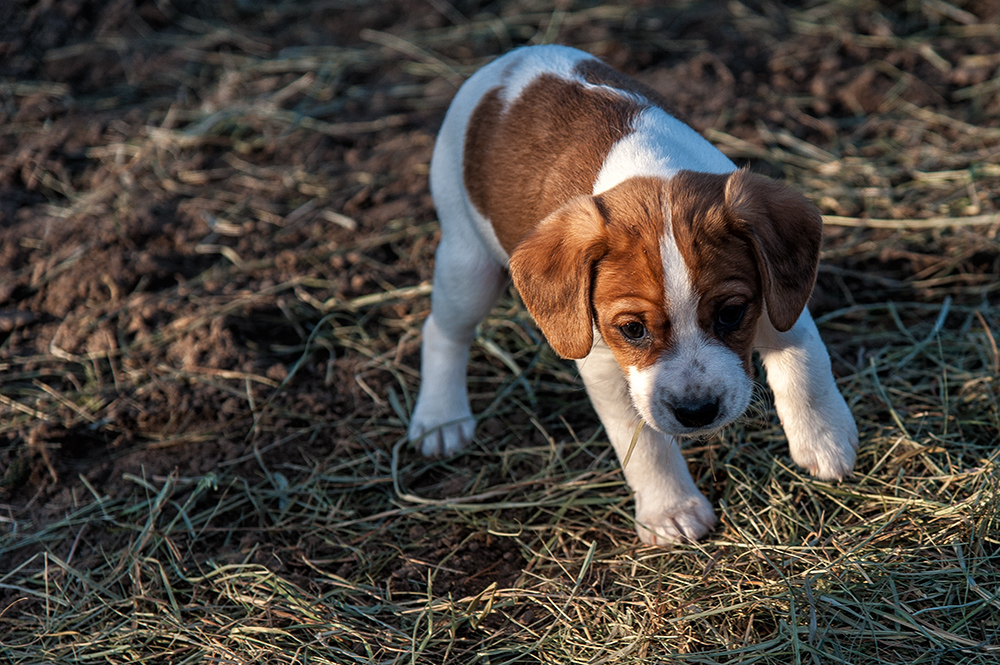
<point>325,538</point>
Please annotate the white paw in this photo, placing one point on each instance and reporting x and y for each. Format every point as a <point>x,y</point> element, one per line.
<point>825,444</point>
<point>441,432</point>
<point>681,522</point>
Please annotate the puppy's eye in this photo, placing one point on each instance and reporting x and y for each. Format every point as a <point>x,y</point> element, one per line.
<point>730,316</point>
<point>633,331</point>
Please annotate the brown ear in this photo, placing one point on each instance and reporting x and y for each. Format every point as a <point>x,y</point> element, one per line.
<point>785,230</point>
<point>552,269</point>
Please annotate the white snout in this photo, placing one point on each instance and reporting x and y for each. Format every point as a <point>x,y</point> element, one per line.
<point>691,393</point>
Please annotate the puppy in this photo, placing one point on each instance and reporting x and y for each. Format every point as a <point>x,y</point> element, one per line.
<point>642,253</point>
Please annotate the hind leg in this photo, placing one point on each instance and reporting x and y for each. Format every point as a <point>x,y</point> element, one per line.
<point>466,284</point>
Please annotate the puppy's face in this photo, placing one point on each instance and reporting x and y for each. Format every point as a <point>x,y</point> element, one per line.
<point>676,298</point>
<point>674,275</point>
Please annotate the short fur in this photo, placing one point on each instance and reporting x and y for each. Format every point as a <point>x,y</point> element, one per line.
<point>642,253</point>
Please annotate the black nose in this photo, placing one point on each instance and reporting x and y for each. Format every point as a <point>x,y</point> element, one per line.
<point>696,414</point>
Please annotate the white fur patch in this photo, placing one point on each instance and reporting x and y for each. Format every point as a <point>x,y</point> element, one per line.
<point>822,434</point>
<point>682,301</point>
<point>660,146</point>
<point>523,66</point>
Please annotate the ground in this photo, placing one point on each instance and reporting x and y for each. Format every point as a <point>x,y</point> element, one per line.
<point>216,243</point>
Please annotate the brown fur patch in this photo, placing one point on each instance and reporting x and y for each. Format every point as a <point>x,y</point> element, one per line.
<point>786,231</point>
<point>629,280</point>
<point>522,163</point>
<point>596,260</point>
<point>553,270</point>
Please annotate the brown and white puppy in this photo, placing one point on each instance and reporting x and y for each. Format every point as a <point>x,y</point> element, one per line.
<point>643,253</point>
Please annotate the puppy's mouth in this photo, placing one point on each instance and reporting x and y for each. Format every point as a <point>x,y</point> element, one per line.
<point>699,433</point>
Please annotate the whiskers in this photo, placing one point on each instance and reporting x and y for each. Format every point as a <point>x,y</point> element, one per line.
<point>759,410</point>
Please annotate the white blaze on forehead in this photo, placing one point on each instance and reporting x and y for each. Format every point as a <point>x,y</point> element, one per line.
<point>682,301</point>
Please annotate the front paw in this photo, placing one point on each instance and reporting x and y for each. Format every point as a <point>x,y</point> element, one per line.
<point>441,432</point>
<point>825,443</point>
<point>684,521</point>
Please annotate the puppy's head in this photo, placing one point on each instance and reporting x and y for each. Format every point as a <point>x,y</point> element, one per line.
<point>674,275</point>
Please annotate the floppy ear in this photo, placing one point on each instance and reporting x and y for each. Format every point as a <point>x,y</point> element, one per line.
<point>785,230</point>
<point>552,269</point>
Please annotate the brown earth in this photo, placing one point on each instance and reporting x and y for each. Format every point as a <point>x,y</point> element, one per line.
<point>189,190</point>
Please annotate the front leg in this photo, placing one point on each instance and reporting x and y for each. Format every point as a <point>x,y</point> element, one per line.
<point>467,282</point>
<point>668,506</point>
<point>822,434</point>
